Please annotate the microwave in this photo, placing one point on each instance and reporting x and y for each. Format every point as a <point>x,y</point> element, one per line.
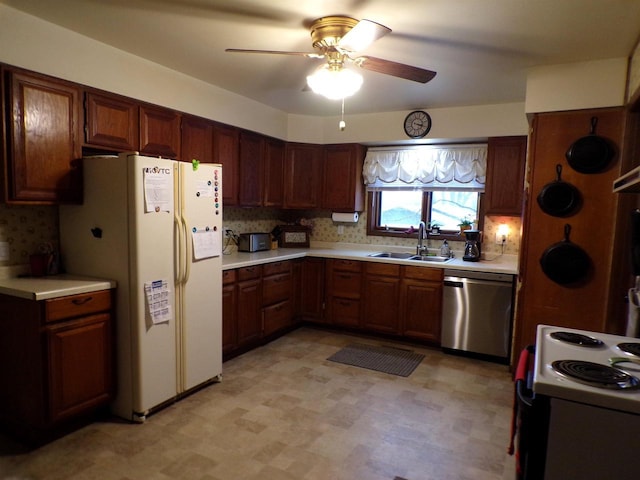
<point>254,242</point>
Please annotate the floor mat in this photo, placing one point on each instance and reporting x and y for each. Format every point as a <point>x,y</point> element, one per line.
<point>394,361</point>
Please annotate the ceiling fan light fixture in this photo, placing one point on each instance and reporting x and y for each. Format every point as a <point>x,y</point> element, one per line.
<point>334,83</point>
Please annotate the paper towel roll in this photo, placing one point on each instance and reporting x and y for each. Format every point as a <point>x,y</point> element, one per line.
<point>345,217</point>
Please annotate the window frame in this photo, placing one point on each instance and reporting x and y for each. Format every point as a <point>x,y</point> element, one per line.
<point>373,213</point>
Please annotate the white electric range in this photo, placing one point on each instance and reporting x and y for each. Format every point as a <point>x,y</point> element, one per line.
<point>584,416</point>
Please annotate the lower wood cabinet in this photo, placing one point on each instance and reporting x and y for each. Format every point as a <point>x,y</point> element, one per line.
<point>381,312</point>
<point>257,302</point>
<point>310,298</point>
<point>264,300</point>
<point>343,291</point>
<point>421,303</point>
<point>57,361</point>
<point>249,291</point>
<point>277,296</point>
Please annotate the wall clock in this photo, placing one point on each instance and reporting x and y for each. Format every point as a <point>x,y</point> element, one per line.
<point>417,124</point>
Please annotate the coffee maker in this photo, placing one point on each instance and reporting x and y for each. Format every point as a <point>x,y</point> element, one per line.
<point>472,246</point>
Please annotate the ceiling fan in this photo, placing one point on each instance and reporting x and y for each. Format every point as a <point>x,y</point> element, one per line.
<point>337,39</point>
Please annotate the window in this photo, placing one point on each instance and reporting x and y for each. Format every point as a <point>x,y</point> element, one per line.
<point>395,212</point>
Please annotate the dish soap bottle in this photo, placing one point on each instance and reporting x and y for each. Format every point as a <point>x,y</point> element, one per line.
<point>445,251</point>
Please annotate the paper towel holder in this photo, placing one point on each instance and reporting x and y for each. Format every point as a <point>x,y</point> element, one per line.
<point>351,217</point>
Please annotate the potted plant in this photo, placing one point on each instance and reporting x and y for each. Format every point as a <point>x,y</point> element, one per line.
<point>434,228</point>
<point>465,224</point>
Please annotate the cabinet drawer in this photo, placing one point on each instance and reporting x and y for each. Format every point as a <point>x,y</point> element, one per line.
<point>77,305</point>
<point>277,316</point>
<point>387,269</point>
<point>247,273</point>
<point>424,273</point>
<point>228,277</point>
<point>276,288</point>
<point>347,265</point>
<point>276,267</point>
<point>345,284</point>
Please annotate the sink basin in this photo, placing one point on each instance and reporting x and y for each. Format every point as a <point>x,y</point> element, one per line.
<point>429,258</point>
<point>402,256</point>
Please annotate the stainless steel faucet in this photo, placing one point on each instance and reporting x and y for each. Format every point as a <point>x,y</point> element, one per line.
<point>422,234</point>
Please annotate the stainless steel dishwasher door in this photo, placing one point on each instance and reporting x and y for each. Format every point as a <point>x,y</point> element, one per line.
<point>476,312</point>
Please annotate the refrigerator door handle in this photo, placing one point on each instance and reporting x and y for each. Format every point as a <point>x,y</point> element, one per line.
<point>179,247</point>
<point>187,252</point>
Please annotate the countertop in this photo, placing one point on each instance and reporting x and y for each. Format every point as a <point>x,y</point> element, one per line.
<point>52,286</point>
<point>495,263</point>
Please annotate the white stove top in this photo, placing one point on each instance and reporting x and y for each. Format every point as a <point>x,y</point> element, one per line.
<point>547,381</point>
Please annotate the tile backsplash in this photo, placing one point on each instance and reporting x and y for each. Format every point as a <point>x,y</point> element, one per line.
<point>242,220</point>
<point>25,229</point>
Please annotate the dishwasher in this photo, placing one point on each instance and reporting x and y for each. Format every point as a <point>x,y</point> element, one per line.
<point>477,314</point>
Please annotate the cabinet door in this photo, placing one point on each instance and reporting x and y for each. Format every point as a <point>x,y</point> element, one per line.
<point>229,318</point>
<point>506,157</point>
<point>342,174</point>
<point>111,122</point>
<point>80,365</point>
<point>44,139</point>
<point>225,151</point>
<point>311,301</point>
<point>250,172</point>
<point>381,306</point>
<point>421,307</point>
<point>197,140</point>
<point>277,316</point>
<point>159,132</point>
<point>249,311</point>
<point>273,173</point>
<point>302,184</point>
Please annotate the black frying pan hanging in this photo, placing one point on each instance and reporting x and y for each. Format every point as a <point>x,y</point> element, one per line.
<point>559,198</point>
<point>590,154</point>
<point>565,262</point>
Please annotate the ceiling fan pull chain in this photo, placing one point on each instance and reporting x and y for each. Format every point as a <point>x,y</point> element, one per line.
<point>342,125</point>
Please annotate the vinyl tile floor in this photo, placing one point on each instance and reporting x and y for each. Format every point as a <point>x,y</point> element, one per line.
<point>283,412</point>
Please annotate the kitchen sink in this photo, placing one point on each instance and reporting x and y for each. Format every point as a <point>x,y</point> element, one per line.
<point>429,258</point>
<point>399,255</point>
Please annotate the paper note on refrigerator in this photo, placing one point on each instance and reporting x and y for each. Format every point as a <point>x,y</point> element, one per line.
<point>204,188</point>
<point>206,243</point>
<point>158,301</point>
<point>158,190</point>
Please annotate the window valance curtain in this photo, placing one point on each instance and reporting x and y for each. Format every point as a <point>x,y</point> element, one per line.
<point>460,166</point>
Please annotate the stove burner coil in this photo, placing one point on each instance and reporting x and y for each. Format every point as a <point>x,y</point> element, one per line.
<point>577,339</point>
<point>630,348</point>
<point>595,374</point>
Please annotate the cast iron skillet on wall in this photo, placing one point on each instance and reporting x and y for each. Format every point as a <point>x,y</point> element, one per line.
<point>558,198</point>
<point>565,262</point>
<point>590,154</point>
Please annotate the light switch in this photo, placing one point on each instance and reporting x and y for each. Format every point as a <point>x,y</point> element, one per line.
<point>4,251</point>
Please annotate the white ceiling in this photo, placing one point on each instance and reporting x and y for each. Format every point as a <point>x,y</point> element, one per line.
<point>481,49</point>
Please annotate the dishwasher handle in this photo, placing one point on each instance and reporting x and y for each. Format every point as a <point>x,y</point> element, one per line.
<point>453,283</point>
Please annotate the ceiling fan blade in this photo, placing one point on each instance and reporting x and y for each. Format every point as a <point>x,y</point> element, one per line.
<point>395,69</point>
<point>275,52</point>
<point>362,35</point>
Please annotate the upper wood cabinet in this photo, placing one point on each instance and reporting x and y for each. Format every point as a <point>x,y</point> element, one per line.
<point>159,132</point>
<point>506,157</point>
<point>342,172</point>
<point>43,139</point>
<point>250,171</point>
<point>226,148</point>
<point>273,195</point>
<point>196,141</point>
<point>111,121</point>
<point>302,170</point>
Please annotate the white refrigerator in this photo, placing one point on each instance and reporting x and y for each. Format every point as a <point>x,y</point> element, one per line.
<point>155,226</point>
